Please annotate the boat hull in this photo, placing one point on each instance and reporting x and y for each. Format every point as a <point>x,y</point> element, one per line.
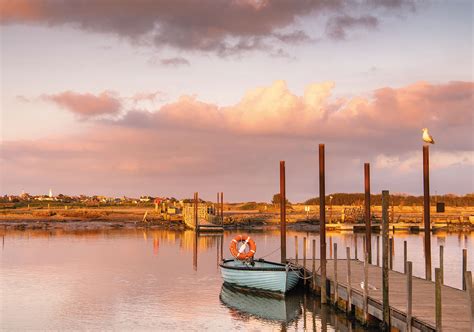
<point>266,276</point>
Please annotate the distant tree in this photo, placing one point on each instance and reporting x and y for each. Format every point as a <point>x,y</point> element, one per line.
<point>276,199</point>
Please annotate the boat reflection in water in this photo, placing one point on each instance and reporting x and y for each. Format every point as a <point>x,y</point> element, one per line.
<point>264,306</point>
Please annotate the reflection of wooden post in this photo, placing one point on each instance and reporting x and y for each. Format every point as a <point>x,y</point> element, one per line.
<point>349,286</point>
<point>426,210</point>
<point>322,222</point>
<point>439,313</point>
<point>304,260</point>
<point>464,268</point>
<point>368,229</point>
<point>282,212</point>
<point>336,292</point>
<point>409,273</point>
<point>314,264</point>
<point>385,253</point>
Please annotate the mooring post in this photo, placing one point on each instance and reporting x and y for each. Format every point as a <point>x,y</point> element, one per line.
<point>314,264</point>
<point>282,212</point>
<point>349,286</point>
<point>470,295</point>
<point>385,253</point>
<point>222,208</point>
<point>426,210</point>
<point>439,313</point>
<point>196,211</point>
<point>368,226</point>
<point>322,222</point>
<point>441,263</point>
<point>405,256</point>
<point>366,287</point>
<point>296,249</point>
<point>336,292</point>
<point>409,274</point>
<point>304,260</point>
<point>217,209</point>
<point>330,247</point>
<point>378,250</point>
<point>355,246</point>
<point>464,268</point>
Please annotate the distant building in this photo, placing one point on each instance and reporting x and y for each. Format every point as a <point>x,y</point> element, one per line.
<point>50,193</point>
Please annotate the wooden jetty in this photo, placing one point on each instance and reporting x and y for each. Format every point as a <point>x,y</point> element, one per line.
<point>455,303</point>
<point>197,216</point>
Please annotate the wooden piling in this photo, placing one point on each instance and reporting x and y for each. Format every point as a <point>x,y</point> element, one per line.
<point>222,208</point>
<point>409,273</point>
<point>282,212</point>
<point>441,263</point>
<point>336,292</point>
<point>438,300</point>
<point>196,211</point>
<point>470,294</point>
<point>426,210</point>
<point>296,249</point>
<point>366,287</point>
<point>304,260</point>
<point>405,256</point>
<point>355,246</point>
<point>322,222</point>
<point>464,268</point>
<point>349,286</point>
<point>218,209</point>
<point>385,253</point>
<point>330,247</point>
<point>368,226</point>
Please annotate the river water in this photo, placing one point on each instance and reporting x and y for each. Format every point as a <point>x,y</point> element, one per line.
<point>169,280</point>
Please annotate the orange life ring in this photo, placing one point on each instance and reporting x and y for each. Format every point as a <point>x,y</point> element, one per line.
<point>240,253</point>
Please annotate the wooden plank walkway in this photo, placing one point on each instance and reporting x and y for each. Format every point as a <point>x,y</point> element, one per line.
<point>456,314</point>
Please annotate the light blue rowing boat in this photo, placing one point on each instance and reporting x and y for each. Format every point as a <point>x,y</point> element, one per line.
<point>260,275</point>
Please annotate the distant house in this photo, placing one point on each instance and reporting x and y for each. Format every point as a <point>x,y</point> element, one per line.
<point>145,198</point>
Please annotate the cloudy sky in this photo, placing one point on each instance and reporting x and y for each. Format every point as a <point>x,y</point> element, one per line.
<point>171,97</point>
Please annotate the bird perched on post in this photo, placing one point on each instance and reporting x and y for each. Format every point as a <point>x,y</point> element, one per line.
<point>427,137</point>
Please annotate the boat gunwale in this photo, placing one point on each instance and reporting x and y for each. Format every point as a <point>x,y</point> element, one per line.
<point>280,268</point>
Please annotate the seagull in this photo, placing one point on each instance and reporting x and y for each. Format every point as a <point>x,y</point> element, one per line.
<point>427,137</point>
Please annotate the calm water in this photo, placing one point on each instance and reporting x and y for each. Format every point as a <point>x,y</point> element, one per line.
<point>165,280</point>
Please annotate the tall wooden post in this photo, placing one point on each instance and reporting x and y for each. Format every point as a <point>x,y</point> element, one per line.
<point>336,291</point>
<point>304,260</point>
<point>385,253</point>
<point>405,256</point>
<point>426,210</point>
<point>322,222</point>
<point>409,274</point>
<point>218,209</point>
<point>470,294</point>
<point>196,210</point>
<point>441,263</point>
<point>464,268</point>
<point>296,249</point>
<point>349,286</point>
<point>368,229</point>
<point>438,303</point>
<point>222,208</point>
<point>282,212</point>
<point>314,264</point>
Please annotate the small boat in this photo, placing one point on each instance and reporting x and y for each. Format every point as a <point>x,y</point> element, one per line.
<point>259,274</point>
<point>284,310</point>
<point>244,271</point>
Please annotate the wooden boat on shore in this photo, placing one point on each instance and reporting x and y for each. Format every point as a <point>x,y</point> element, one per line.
<point>260,275</point>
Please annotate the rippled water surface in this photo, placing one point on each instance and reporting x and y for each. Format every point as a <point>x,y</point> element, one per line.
<point>167,280</point>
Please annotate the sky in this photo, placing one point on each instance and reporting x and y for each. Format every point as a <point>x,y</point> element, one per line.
<point>165,98</point>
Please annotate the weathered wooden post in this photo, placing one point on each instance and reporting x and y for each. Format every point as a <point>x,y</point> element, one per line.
<point>441,263</point>
<point>405,256</point>
<point>391,252</point>
<point>426,210</point>
<point>438,304</point>
<point>409,274</point>
<point>282,212</point>
<point>470,295</point>
<point>304,260</point>
<point>296,249</point>
<point>368,226</point>
<point>218,209</point>
<point>222,208</point>
<point>378,250</point>
<point>464,268</point>
<point>322,222</point>
<point>196,211</point>
<point>314,264</point>
<point>366,287</point>
<point>349,286</point>
<point>330,247</point>
<point>385,253</point>
<point>336,292</point>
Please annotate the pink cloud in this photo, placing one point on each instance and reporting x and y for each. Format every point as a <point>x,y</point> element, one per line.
<point>87,105</point>
<point>190,145</point>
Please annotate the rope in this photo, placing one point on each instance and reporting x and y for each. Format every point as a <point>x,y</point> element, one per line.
<point>271,252</point>
<point>295,268</point>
